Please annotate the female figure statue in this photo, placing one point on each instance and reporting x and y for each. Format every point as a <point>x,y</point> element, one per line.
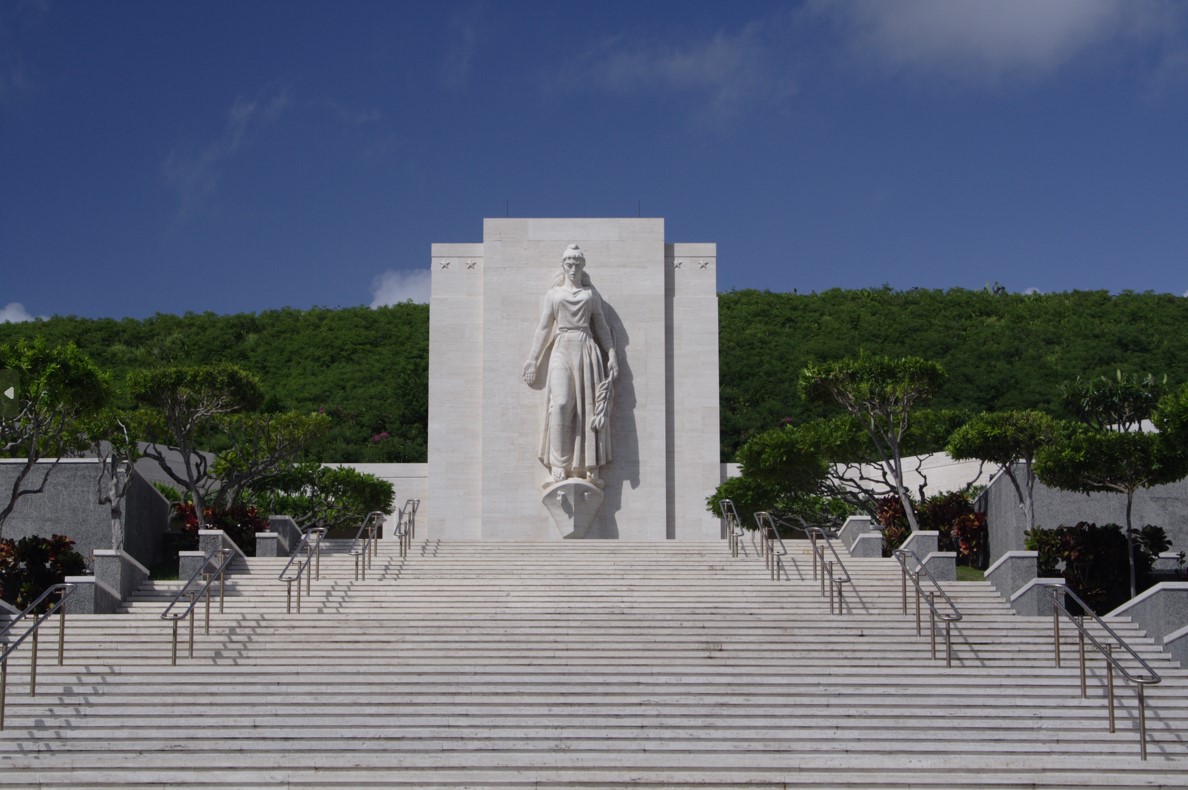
<point>580,383</point>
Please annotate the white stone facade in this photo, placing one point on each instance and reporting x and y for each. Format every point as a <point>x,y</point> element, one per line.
<point>485,423</point>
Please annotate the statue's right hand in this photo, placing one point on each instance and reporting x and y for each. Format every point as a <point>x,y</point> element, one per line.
<point>530,372</point>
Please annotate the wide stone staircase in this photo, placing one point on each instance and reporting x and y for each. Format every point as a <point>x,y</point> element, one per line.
<point>577,664</point>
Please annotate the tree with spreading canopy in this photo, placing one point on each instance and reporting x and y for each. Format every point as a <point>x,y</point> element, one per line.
<point>262,446</point>
<point>324,496</point>
<point>1111,446</point>
<point>59,390</point>
<point>881,393</point>
<point>177,405</point>
<point>1007,439</point>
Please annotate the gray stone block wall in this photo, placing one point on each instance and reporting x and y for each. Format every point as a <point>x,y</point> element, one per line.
<point>119,571</point>
<point>854,527</point>
<point>1161,610</point>
<point>288,535</point>
<point>146,519</point>
<point>922,543</point>
<point>1012,571</point>
<point>1165,506</point>
<point>70,506</point>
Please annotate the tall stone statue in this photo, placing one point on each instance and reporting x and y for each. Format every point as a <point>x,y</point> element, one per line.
<point>583,365</point>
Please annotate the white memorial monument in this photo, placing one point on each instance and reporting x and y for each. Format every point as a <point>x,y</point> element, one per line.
<point>573,383</point>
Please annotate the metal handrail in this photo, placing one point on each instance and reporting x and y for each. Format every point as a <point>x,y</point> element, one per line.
<point>816,536</point>
<point>365,545</point>
<point>208,578</point>
<point>769,536</point>
<point>827,573</point>
<point>1140,681</point>
<point>734,528</point>
<point>66,590</point>
<point>405,524</point>
<point>313,555</point>
<point>411,506</point>
<point>934,614</point>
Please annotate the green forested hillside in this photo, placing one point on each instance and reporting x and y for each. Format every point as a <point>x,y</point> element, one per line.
<point>1000,350</point>
<point>369,368</point>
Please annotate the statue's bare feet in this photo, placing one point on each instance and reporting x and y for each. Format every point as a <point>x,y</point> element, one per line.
<point>592,476</point>
<point>558,475</point>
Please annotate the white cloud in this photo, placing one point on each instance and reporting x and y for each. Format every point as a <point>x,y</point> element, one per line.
<point>1032,290</point>
<point>14,313</point>
<point>396,286</point>
<point>20,27</point>
<point>195,175</point>
<point>978,41</point>
<point>1186,294</point>
<point>354,117</point>
<point>465,27</point>
<point>730,69</point>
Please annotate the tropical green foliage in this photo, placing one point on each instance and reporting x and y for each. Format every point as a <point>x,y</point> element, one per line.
<point>950,515</point>
<point>324,496</point>
<point>881,394</point>
<point>1094,559</point>
<point>262,446</point>
<point>1007,439</point>
<point>31,565</point>
<point>240,522</point>
<point>1001,351</point>
<point>1171,417</point>
<point>60,390</point>
<point>368,369</point>
<point>181,405</point>
<point>169,492</point>
<point>1108,449</point>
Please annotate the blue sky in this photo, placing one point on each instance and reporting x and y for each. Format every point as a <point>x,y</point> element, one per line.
<point>240,156</point>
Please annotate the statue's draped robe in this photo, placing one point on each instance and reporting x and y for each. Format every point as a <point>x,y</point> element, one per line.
<point>577,387</point>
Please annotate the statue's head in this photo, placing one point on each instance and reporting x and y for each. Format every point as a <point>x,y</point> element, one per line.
<point>573,253</point>
<point>573,264</point>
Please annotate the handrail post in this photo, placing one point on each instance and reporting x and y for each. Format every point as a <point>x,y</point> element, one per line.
<point>62,627</point>
<point>1142,712</point>
<point>1110,682</point>
<point>1081,652</point>
<point>829,572</point>
<point>318,560</point>
<point>206,583</point>
<point>949,644</point>
<point>308,575</point>
<point>222,585</point>
<point>3,688</point>
<point>916,580</point>
<point>33,668</point>
<point>932,622</point>
<point>903,571</point>
<point>1055,625</point>
<point>289,596</point>
<point>193,599</point>
<point>173,658</point>
<point>300,570</point>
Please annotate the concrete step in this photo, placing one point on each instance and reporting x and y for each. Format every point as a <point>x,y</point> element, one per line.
<point>577,664</point>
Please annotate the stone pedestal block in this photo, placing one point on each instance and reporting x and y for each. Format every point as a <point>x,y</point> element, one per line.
<point>572,503</point>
